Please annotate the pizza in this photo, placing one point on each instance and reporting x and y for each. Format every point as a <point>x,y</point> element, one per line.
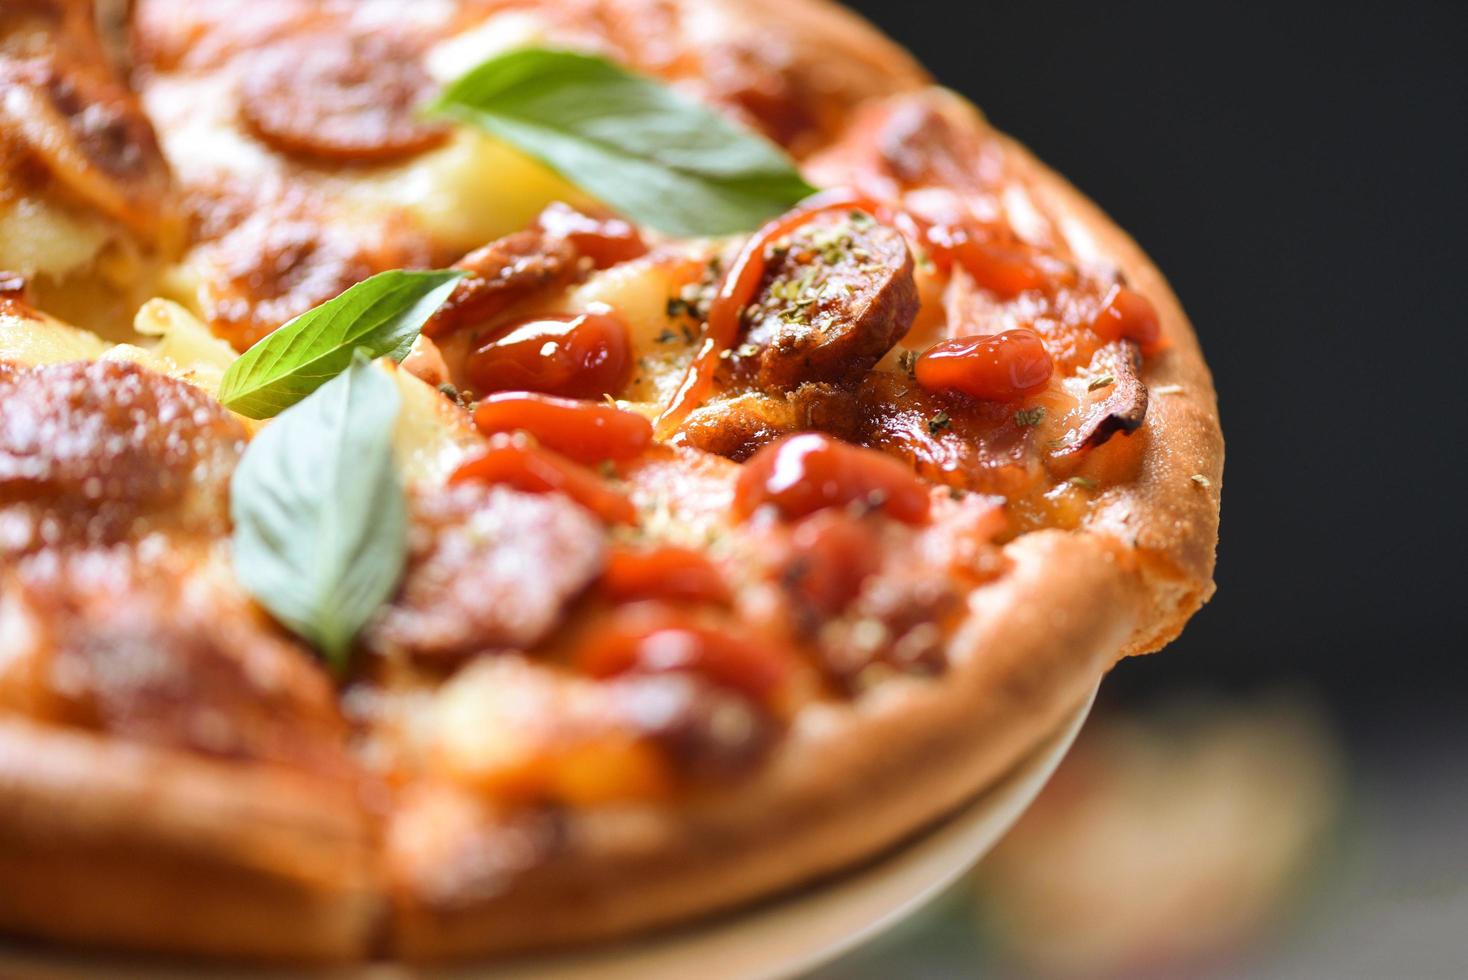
<point>486,475</point>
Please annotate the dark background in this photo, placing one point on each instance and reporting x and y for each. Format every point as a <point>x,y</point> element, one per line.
<point>1298,172</point>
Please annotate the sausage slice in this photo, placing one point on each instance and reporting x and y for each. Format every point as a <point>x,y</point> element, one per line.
<point>504,271</point>
<point>838,293</point>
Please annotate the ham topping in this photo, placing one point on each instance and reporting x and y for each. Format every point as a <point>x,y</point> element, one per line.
<point>166,653</point>
<point>490,569</point>
<point>92,453</point>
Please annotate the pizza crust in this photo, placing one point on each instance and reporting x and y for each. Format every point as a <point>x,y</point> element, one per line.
<point>138,847</point>
<point>111,843</point>
<point>1168,514</point>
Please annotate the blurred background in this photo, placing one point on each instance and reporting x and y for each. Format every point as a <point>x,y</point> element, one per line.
<point>1284,791</point>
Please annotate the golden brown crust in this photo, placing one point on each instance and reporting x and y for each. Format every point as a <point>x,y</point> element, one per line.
<point>108,843</point>
<point>130,846</point>
<point>1169,513</point>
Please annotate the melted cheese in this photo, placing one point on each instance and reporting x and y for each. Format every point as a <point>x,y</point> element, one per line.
<point>32,339</point>
<point>38,238</point>
<point>432,437</point>
<point>471,191</point>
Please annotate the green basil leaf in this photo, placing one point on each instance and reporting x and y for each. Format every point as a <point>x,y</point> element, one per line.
<point>382,315</point>
<point>653,154</point>
<point>320,517</point>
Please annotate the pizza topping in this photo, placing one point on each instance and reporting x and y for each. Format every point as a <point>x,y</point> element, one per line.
<point>831,553</point>
<point>709,732</point>
<point>664,160</point>
<point>1128,315</point>
<point>984,446</point>
<point>523,732</point>
<point>862,594</point>
<point>837,294</point>
<point>1124,407</point>
<point>97,452</point>
<point>281,260</point>
<point>605,241</point>
<point>501,273</point>
<point>381,316</point>
<point>805,473</point>
<point>653,638</point>
<point>339,96</point>
<point>171,655</point>
<point>67,109</point>
<point>993,258</point>
<point>897,624</point>
<point>320,519</point>
<point>740,285</point>
<point>672,573</point>
<point>489,568</point>
<point>999,367</point>
<point>585,355</point>
<point>584,431</point>
<point>738,426</point>
<point>1035,415</point>
<point>532,469</point>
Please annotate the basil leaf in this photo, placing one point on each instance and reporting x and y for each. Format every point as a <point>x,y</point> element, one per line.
<point>320,518</point>
<point>381,315</point>
<point>636,144</point>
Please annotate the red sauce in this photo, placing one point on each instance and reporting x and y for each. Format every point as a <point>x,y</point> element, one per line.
<point>605,241</point>
<point>581,356</point>
<point>735,293</point>
<point>679,574</point>
<point>660,640</point>
<point>1003,267</point>
<point>1128,314</point>
<point>1004,270</point>
<point>832,554</point>
<point>531,469</point>
<point>583,430</point>
<point>804,473</point>
<point>997,367</point>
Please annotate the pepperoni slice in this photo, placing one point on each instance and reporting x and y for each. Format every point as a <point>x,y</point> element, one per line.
<point>501,273</point>
<point>488,569</point>
<point>345,98</point>
<point>738,288</point>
